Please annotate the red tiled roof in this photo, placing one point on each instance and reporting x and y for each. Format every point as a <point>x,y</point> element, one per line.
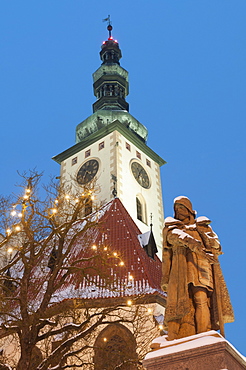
<point>140,274</point>
<point>122,233</point>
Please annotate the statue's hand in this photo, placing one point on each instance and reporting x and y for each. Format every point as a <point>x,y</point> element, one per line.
<point>164,287</point>
<point>194,245</point>
<point>198,249</point>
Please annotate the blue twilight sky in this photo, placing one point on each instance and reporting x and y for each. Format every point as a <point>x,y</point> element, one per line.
<point>186,61</point>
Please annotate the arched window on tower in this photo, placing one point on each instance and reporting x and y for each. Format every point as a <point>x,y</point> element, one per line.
<point>141,208</point>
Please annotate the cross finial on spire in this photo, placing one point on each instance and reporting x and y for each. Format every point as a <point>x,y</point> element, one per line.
<point>151,217</point>
<point>109,28</point>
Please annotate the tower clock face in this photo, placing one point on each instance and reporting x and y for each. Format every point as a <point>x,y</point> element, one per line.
<point>87,171</point>
<point>140,175</point>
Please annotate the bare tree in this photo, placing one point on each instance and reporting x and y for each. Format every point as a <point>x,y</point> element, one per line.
<point>46,253</point>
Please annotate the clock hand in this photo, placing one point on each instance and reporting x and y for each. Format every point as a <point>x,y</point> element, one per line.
<point>140,173</point>
<point>85,173</point>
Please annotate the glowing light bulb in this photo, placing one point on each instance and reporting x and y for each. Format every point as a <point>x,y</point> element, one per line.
<point>115,254</point>
<point>28,190</point>
<point>105,248</point>
<point>13,213</point>
<point>20,215</point>
<point>94,247</point>
<point>67,196</point>
<point>25,196</point>
<point>54,210</point>
<point>130,277</point>
<point>161,327</point>
<point>76,200</point>
<point>8,231</point>
<point>129,302</point>
<point>56,201</point>
<point>10,250</point>
<point>149,310</point>
<point>93,197</point>
<point>17,228</point>
<point>121,263</point>
<point>105,339</point>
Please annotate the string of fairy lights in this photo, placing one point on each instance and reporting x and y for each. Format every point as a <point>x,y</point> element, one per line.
<point>23,203</point>
<point>19,214</point>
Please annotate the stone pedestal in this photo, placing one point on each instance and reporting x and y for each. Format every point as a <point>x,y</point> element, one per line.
<point>205,351</point>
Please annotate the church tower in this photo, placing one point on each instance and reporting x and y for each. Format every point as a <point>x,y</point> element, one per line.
<point>111,148</point>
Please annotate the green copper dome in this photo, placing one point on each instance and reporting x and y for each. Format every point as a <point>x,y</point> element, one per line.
<point>102,118</point>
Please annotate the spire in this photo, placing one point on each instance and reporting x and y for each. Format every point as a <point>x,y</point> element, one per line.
<point>110,80</point>
<point>147,241</point>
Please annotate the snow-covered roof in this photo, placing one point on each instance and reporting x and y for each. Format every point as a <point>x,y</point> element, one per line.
<point>138,275</point>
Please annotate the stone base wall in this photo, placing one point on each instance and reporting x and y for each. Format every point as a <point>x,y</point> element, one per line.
<point>202,355</point>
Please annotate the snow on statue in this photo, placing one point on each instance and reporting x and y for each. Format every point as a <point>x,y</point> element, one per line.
<point>197,297</point>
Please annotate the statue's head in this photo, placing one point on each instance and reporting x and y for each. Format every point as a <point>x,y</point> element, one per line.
<point>183,209</point>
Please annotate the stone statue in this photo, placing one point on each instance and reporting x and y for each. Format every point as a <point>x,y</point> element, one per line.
<point>197,297</point>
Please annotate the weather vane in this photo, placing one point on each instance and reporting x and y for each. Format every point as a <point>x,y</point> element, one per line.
<point>109,28</point>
